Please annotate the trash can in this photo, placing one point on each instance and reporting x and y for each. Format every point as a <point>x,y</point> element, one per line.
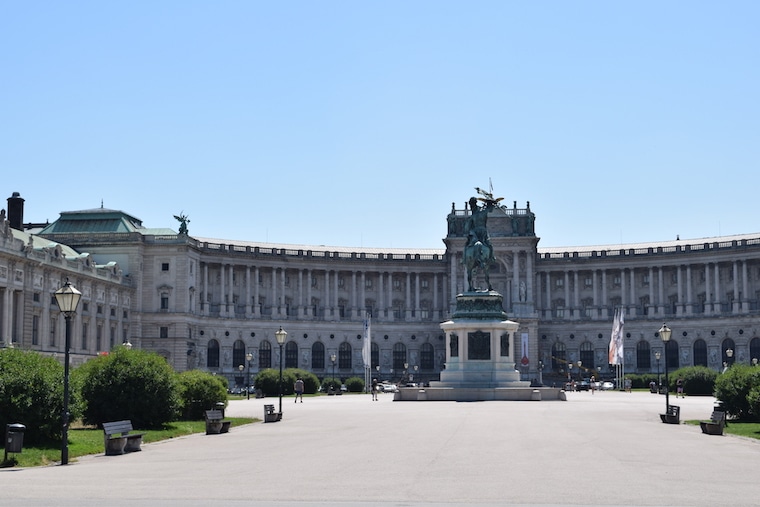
<point>220,406</point>
<point>14,437</point>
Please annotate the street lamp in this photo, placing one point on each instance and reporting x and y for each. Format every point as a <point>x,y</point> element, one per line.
<point>281,336</point>
<point>754,361</point>
<point>579,369</point>
<point>729,355</point>
<point>406,369</point>
<point>540,372</point>
<point>415,373</point>
<point>657,356</point>
<point>67,298</point>
<point>333,358</point>
<point>569,371</point>
<point>665,333</point>
<point>248,358</point>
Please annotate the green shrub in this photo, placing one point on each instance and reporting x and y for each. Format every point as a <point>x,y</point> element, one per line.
<point>355,384</point>
<point>267,381</point>
<point>697,380</point>
<point>129,384</point>
<point>200,391</point>
<point>31,393</point>
<point>328,381</point>
<point>733,389</point>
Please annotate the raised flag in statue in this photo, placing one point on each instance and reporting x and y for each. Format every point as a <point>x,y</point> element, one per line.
<point>616,338</point>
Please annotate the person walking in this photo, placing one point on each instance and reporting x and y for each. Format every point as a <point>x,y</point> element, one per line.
<point>374,389</point>
<point>298,388</point>
<point>679,387</point>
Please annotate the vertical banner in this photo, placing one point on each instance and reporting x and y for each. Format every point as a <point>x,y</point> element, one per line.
<point>525,356</point>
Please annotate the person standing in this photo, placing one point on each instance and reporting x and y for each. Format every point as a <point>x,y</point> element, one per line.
<point>374,389</point>
<point>679,387</point>
<point>298,387</point>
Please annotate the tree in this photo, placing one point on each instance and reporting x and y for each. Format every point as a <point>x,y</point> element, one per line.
<point>31,393</point>
<point>129,384</point>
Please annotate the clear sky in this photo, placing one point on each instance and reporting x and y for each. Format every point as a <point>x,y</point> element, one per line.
<point>360,123</point>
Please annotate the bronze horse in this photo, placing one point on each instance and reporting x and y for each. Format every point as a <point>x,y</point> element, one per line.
<point>478,256</point>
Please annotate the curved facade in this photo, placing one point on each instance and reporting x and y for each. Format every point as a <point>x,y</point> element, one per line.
<point>204,303</point>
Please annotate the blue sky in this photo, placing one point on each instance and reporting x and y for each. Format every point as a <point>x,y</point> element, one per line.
<point>359,123</point>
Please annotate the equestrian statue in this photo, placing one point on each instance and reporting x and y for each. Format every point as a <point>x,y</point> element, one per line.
<point>478,251</point>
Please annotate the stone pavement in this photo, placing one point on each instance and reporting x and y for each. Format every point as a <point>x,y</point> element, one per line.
<point>609,448</point>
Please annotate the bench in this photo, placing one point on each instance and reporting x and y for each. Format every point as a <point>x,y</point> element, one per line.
<point>716,423</point>
<point>215,423</point>
<point>672,416</point>
<point>118,438</point>
<point>270,415</point>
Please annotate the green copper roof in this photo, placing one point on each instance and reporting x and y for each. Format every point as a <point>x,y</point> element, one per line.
<point>98,220</point>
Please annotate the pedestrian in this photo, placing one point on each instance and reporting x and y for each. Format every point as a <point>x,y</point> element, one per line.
<point>298,387</point>
<point>592,384</point>
<point>679,387</point>
<point>374,389</point>
<point>628,384</point>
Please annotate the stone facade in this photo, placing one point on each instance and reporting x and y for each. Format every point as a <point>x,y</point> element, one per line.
<point>205,303</point>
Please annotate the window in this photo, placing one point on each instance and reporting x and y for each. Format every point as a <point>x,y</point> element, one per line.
<point>559,282</point>
<point>36,297</point>
<point>645,279</point>
<point>588,281</point>
<point>559,354</point>
<point>616,281</point>
<point>212,354</point>
<point>164,266</point>
<point>113,312</point>
<point>291,355</point>
<point>238,353</point>
<point>99,337</point>
<point>587,358</point>
<point>643,356</point>
<point>85,329</point>
<point>672,354</point>
<point>53,324</point>
<point>344,356</point>
<point>374,355</point>
<point>368,283</point>
<point>424,283</point>
<point>35,330</point>
<point>427,357</point>
<point>700,353</point>
<point>265,355</point>
<point>163,332</point>
<point>399,356</point>
<point>318,356</point>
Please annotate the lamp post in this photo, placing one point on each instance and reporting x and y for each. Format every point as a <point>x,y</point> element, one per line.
<point>333,358</point>
<point>569,371</point>
<point>406,369</point>
<point>248,358</point>
<point>665,335</point>
<point>657,356</point>
<point>579,370</point>
<point>416,367</point>
<point>730,355</point>
<point>67,298</point>
<point>281,335</point>
<point>754,361</point>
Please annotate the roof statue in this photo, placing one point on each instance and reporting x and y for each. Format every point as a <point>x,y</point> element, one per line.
<point>183,221</point>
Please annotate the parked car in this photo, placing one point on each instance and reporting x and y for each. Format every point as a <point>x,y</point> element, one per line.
<point>607,385</point>
<point>583,385</point>
<point>388,388</point>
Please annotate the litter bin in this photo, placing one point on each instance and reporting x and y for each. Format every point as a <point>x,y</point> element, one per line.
<point>220,406</point>
<point>14,437</point>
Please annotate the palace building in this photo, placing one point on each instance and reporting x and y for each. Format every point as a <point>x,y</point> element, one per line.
<point>207,303</point>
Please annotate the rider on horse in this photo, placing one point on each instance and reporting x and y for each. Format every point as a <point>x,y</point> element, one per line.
<point>478,252</point>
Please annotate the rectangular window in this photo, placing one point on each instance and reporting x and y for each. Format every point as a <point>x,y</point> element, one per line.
<point>113,312</point>
<point>559,282</point>
<point>424,283</point>
<point>53,324</point>
<point>368,283</point>
<point>164,302</point>
<point>164,266</point>
<point>163,332</point>
<point>35,330</point>
<point>85,306</point>
<point>645,280</point>
<point>84,335</point>
<point>36,297</point>
<point>588,281</point>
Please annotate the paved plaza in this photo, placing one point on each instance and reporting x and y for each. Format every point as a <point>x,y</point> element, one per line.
<point>609,448</point>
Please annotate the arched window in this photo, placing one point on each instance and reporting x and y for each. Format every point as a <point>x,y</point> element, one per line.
<point>728,344</point>
<point>672,354</point>
<point>559,357</point>
<point>212,354</point>
<point>265,355</point>
<point>238,353</point>
<point>399,356</point>
<point>427,357</point>
<point>291,355</point>
<point>375,355</point>
<point>318,356</point>
<point>587,357</point>
<point>700,353</point>
<point>643,356</point>
<point>344,356</point>
<point>754,350</point>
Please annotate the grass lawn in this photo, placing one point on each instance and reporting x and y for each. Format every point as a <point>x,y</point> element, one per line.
<point>89,440</point>
<point>742,429</point>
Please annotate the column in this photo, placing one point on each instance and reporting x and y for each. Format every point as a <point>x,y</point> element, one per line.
<point>529,277</point>
<point>717,300</point>
<point>689,299</point>
<point>548,293</point>
<point>248,303</point>
<point>335,305</point>
<point>516,278</point>
<point>576,296</point>
<point>301,309</point>
<point>206,290</point>
<point>708,290</point>
<point>745,287</point>
<point>309,284</point>
<point>354,296</point>
<point>661,292</point>
<point>417,308</point>
<point>735,305</point>
<point>256,292</point>
<point>231,295</point>
<point>326,300</point>
<point>408,297</point>
<point>380,294</point>
<point>436,310</point>
<point>632,291</point>
<point>623,292</point>
<point>363,298</point>
<point>651,291</point>
<point>605,302</point>
<point>595,291</point>
<point>222,292</point>
<point>567,293</point>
